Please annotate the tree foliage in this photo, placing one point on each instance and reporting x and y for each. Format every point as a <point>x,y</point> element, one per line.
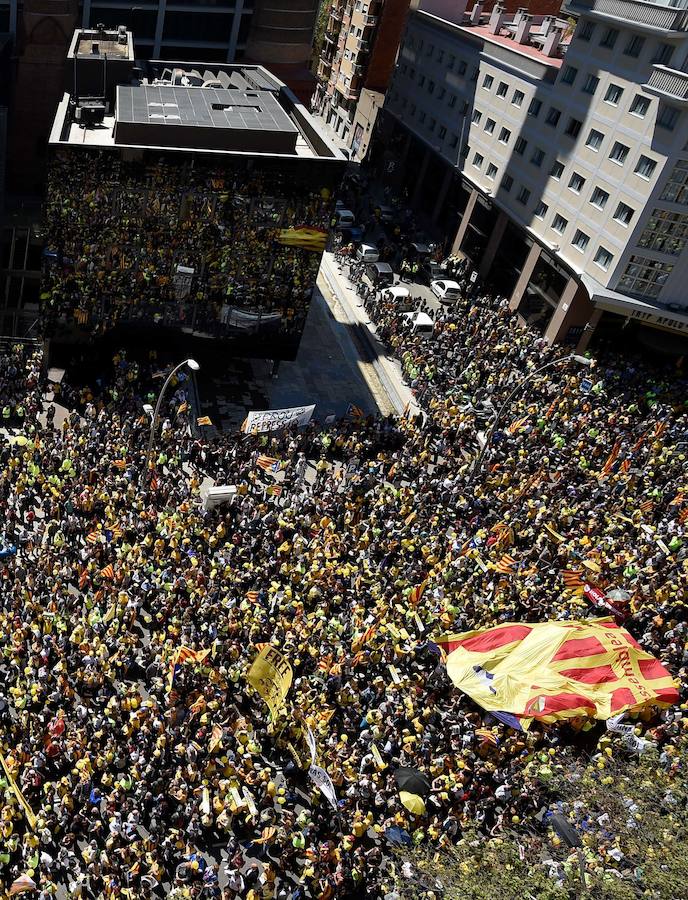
<point>630,812</point>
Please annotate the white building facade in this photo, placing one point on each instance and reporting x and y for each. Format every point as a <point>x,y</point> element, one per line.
<point>561,148</point>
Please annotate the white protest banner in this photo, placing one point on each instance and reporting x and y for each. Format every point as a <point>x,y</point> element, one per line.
<point>273,419</point>
<point>630,740</point>
<point>310,740</point>
<point>323,782</point>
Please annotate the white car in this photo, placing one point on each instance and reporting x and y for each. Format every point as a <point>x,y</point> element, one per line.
<point>446,291</point>
<point>396,294</point>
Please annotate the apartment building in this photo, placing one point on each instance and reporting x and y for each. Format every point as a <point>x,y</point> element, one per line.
<point>556,152</point>
<point>358,55</point>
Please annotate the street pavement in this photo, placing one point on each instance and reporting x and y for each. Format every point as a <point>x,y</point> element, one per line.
<point>330,371</point>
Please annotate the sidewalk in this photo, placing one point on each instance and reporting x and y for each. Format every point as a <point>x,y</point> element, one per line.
<point>386,366</point>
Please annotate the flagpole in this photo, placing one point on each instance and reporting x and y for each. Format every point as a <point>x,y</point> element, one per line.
<point>581,360</point>
<point>193,365</point>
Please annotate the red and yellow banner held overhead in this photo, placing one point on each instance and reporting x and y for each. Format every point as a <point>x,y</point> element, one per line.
<point>557,670</point>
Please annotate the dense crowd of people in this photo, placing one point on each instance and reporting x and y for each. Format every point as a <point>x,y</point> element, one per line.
<point>350,551</point>
<point>120,230</point>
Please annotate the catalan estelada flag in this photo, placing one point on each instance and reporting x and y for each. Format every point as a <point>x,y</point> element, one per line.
<point>268,463</point>
<point>557,670</point>
<point>183,655</point>
<point>417,592</point>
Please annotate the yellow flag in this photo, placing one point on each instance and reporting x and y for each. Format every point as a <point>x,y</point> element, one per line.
<point>28,812</point>
<point>271,676</point>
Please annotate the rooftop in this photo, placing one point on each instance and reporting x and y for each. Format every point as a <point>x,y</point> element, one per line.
<point>229,109</point>
<point>90,44</point>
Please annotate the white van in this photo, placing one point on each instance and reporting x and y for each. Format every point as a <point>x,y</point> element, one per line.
<point>419,323</point>
<point>368,253</point>
<point>344,218</point>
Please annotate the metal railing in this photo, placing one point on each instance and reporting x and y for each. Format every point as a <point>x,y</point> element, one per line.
<point>664,17</point>
<point>669,81</point>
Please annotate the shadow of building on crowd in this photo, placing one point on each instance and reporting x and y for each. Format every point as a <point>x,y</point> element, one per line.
<point>184,207</point>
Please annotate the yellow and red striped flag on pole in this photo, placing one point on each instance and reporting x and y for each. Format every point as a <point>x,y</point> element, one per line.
<point>417,592</point>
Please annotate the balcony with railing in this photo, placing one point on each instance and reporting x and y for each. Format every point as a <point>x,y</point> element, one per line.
<point>669,84</point>
<point>648,16</point>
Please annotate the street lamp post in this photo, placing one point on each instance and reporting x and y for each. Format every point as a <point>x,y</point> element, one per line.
<point>193,365</point>
<point>574,357</point>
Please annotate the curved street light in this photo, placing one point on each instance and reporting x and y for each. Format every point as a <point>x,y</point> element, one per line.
<point>193,365</point>
<point>574,357</point>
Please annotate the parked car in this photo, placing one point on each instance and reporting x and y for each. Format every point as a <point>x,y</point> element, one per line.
<point>368,253</point>
<point>387,214</point>
<point>446,291</point>
<point>419,323</point>
<point>351,235</point>
<point>429,271</point>
<point>379,275</point>
<point>344,218</point>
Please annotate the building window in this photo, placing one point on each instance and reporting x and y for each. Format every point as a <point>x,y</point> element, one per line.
<point>507,183</point>
<point>441,93</point>
<point>667,117</point>
<point>609,37</point>
<point>534,108</point>
<point>537,157</point>
<point>490,126</point>
<point>599,198</point>
<point>454,141</point>
<point>665,232</point>
<point>462,68</point>
<point>676,188</point>
<point>491,171</point>
<point>586,31</point>
<point>573,127</point>
<point>476,117</point>
<point>663,55</point>
<point>580,240</point>
<point>431,87</point>
<point>557,170</point>
<point>502,89</point>
<point>594,140</point>
<point>590,85</point>
<point>646,166</point>
<point>559,224</point>
<point>624,214</point>
<point>523,196</point>
<point>488,81</point>
<point>619,153</point>
<point>504,136</point>
<point>644,277</point>
<point>452,101</point>
<point>478,160</point>
<point>553,116</point>
<point>576,183</point>
<point>440,55</point>
<point>451,61</point>
<point>639,106</point>
<point>568,76</point>
<point>518,98</point>
<point>520,146</point>
<point>430,50</point>
<point>431,124</point>
<point>603,258</point>
<point>465,150</point>
<point>421,81</point>
<point>475,73</point>
<point>634,46</point>
<point>413,109</point>
<point>541,210</point>
<point>613,94</point>
<point>442,132</point>
<point>421,117</point>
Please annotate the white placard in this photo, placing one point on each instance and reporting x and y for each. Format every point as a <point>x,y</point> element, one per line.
<point>274,419</point>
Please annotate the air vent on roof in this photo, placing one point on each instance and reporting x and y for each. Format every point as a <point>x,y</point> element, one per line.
<point>221,106</point>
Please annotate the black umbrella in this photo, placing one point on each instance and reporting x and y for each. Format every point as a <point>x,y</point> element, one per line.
<point>412,780</point>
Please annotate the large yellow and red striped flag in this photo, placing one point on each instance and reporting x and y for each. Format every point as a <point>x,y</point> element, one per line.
<point>557,670</point>
<point>417,592</point>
